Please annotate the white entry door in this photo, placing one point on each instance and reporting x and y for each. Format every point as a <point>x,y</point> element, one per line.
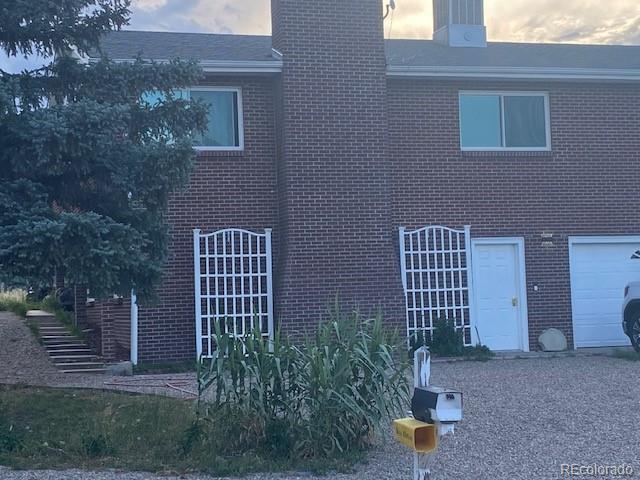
<point>600,269</point>
<point>496,279</point>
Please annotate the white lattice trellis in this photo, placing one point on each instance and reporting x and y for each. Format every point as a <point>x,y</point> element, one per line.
<point>233,285</point>
<point>436,276</point>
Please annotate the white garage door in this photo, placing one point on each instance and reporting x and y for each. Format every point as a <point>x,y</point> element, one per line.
<point>600,269</point>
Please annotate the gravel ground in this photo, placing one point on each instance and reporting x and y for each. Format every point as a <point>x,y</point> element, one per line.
<point>523,420</point>
<point>23,360</point>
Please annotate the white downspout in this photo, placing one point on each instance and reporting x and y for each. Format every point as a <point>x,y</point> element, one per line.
<point>134,328</point>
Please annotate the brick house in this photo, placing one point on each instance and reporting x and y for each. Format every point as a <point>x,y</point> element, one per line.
<point>491,183</point>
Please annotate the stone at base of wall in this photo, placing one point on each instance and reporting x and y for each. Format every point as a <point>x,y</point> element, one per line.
<point>122,369</point>
<point>552,340</point>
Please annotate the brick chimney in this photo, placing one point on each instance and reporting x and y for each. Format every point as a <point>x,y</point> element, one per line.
<point>336,235</point>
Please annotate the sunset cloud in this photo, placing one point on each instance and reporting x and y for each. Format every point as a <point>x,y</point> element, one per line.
<point>575,21</point>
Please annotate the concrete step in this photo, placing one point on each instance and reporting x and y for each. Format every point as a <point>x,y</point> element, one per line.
<point>84,370</point>
<point>67,350</point>
<point>60,339</point>
<point>79,365</point>
<point>40,314</point>
<point>61,343</point>
<point>57,357</point>
<point>68,353</point>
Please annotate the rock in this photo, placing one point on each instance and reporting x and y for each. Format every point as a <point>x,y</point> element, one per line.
<point>552,340</point>
<point>122,369</point>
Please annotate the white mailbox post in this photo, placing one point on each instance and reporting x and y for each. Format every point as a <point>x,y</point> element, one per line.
<point>435,412</point>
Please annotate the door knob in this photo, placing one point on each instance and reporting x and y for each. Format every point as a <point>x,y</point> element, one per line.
<point>514,301</point>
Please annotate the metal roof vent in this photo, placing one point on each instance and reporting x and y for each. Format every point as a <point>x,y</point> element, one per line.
<point>459,23</point>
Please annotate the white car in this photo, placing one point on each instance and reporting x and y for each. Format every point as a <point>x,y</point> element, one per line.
<point>631,313</point>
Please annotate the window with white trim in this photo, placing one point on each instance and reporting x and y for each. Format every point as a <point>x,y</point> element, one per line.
<point>224,118</point>
<point>517,121</point>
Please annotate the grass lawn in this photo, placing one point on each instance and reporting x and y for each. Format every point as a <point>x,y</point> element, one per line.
<point>56,428</point>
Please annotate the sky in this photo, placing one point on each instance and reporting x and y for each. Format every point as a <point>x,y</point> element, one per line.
<point>568,21</point>
<point>571,21</point>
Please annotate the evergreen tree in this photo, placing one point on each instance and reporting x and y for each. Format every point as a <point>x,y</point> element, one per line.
<point>86,165</point>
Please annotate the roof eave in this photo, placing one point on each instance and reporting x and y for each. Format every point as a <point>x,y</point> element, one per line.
<point>531,73</point>
<point>224,66</point>
<point>270,66</point>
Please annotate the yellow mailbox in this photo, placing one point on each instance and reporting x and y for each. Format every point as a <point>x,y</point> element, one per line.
<point>419,436</point>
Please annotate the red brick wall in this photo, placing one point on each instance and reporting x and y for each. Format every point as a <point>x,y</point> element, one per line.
<point>227,189</point>
<point>333,174</point>
<point>337,157</point>
<point>587,185</point>
<point>111,323</point>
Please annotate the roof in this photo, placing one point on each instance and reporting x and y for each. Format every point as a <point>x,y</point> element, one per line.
<point>213,51</point>
<point>501,58</point>
<point>229,53</point>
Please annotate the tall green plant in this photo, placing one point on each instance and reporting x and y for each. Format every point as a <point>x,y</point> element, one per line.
<point>351,385</point>
<point>251,384</point>
<point>328,396</point>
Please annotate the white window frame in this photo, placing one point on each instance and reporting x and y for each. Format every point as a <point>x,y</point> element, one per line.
<point>238,91</point>
<point>502,94</point>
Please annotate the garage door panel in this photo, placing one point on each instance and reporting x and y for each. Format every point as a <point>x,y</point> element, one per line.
<point>588,308</point>
<point>599,335</point>
<point>599,273</point>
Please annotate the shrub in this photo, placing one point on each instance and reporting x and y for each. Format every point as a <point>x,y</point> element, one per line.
<point>445,341</point>
<point>448,341</point>
<point>18,302</point>
<point>327,397</point>
<point>15,301</point>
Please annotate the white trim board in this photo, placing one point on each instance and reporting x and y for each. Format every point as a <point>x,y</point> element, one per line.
<point>590,240</point>
<point>532,73</point>
<point>527,73</point>
<point>518,243</point>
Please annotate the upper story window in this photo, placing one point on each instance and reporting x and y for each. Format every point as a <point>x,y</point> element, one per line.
<point>515,121</point>
<point>224,119</point>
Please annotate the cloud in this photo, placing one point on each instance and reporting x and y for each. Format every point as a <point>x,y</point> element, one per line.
<point>580,21</point>
<point>584,21</point>
<point>149,5</point>
<point>218,16</point>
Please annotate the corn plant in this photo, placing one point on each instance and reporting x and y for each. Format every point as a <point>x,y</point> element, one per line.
<point>351,385</point>
<point>328,396</point>
<point>252,381</point>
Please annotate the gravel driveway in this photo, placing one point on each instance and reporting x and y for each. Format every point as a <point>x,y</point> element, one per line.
<point>523,419</point>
